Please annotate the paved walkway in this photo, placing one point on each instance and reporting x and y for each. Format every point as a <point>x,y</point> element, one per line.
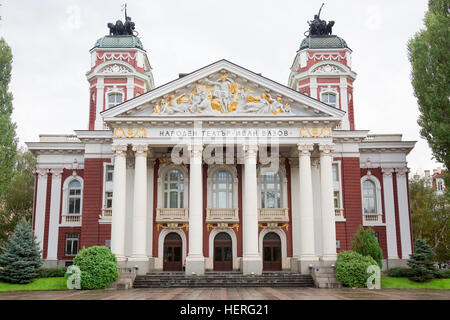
<point>232,294</point>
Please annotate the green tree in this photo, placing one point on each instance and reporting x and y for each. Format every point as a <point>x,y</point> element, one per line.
<point>17,201</point>
<point>429,54</point>
<point>430,218</point>
<point>365,242</point>
<point>21,260</point>
<point>8,141</point>
<point>421,262</point>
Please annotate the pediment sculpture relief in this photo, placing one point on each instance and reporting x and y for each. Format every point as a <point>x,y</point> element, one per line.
<point>220,97</point>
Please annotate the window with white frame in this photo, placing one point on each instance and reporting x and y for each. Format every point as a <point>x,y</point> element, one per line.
<point>114,99</point>
<point>222,189</point>
<point>329,98</point>
<point>109,174</point>
<point>108,200</point>
<point>337,193</point>
<point>369,197</point>
<point>440,184</point>
<point>270,190</point>
<point>72,240</point>
<point>74,197</point>
<point>174,189</point>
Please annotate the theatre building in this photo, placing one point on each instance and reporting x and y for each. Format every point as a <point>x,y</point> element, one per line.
<point>222,168</point>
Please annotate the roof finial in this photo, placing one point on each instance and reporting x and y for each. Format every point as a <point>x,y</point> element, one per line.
<point>319,27</point>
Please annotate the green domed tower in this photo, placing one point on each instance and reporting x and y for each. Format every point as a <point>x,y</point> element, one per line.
<point>322,69</point>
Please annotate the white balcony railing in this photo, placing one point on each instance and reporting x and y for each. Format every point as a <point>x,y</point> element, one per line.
<point>339,214</point>
<point>273,215</point>
<point>168,215</point>
<point>71,219</point>
<point>106,214</point>
<point>217,215</point>
<point>372,219</point>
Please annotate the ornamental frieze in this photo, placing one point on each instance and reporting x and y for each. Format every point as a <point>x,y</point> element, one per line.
<point>222,96</point>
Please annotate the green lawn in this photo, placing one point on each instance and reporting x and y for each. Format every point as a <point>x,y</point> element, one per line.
<point>405,283</point>
<point>38,284</point>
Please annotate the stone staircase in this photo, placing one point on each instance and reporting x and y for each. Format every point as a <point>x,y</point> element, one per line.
<point>222,279</point>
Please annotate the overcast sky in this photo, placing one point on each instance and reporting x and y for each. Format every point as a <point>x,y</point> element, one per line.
<point>51,39</point>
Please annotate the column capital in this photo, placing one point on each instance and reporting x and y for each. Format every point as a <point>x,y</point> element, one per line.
<point>387,172</point>
<point>250,150</point>
<point>326,149</point>
<point>120,150</point>
<point>41,171</point>
<point>402,171</point>
<point>56,172</point>
<point>195,150</point>
<point>305,149</point>
<point>140,149</point>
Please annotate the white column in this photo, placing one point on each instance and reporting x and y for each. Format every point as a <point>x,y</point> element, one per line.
<point>251,261</point>
<point>307,245</point>
<point>55,205</point>
<point>140,205</point>
<point>403,212</point>
<point>389,209</point>
<point>195,262</point>
<point>41,199</point>
<point>150,177</point>
<point>327,203</point>
<point>119,202</point>
<point>344,103</point>
<point>313,87</point>
<point>130,88</point>
<point>98,125</point>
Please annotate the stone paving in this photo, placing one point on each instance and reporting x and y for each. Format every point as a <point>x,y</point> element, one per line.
<point>263,293</point>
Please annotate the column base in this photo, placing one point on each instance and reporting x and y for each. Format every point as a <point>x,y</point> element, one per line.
<point>306,262</point>
<point>50,263</point>
<point>329,258</point>
<point>195,266</point>
<point>141,263</point>
<point>252,265</point>
<point>396,262</point>
<point>120,257</point>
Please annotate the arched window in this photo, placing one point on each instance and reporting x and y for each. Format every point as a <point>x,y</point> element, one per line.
<point>369,197</point>
<point>222,189</point>
<point>173,189</point>
<point>114,99</point>
<point>74,197</point>
<point>271,190</point>
<point>329,98</point>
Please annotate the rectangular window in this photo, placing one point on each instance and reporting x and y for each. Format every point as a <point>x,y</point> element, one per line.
<point>108,200</point>
<point>108,243</point>
<point>377,235</point>
<point>109,173</point>
<point>71,244</point>
<point>337,200</point>
<point>335,172</point>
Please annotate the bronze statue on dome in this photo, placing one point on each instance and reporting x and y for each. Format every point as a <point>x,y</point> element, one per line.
<point>122,29</point>
<point>319,27</point>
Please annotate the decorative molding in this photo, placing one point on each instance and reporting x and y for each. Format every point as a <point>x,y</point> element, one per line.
<point>401,171</point>
<point>130,133</point>
<point>326,149</point>
<point>140,149</point>
<point>305,149</point>
<point>387,172</point>
<point>250,150</point>
<point>115,68</point>
<point>120,150</point>
<point>327,68</point>
<point>274,225</point>
<point>222,226</point>
<point>40,171</point>
<point>324,132</point>
<point>172,226</point>
<point>56,172</point>
<point>326,56</point>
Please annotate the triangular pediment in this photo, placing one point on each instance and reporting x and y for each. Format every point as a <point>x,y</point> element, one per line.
<point>222,89</point>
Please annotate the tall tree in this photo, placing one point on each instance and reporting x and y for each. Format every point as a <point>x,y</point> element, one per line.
<point>431,218</point>
<point>429,54</point>
<point>17,202</point>
<point>8,141</point>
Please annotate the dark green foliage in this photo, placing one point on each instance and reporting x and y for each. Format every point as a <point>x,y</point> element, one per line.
<point>400,272</point>
<point>365,243</point>
<point>442,274</point>
<point>21,260</point>
<point>17,202</point>
<point>429,54</point>
<point>52,272</point>
<point>98,267</point>
<point>8,140</point>
<point>351,269</point>
<point>421,262</point>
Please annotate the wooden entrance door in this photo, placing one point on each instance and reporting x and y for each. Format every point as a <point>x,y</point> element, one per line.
<point>223,252</point>
<point>271,252</point>
<point>173,253</point>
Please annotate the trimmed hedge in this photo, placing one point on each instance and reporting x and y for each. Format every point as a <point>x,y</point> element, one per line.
<point>351,269</point>
<point>52,272</point>
<point>400,272</point>
<point>98,266</point>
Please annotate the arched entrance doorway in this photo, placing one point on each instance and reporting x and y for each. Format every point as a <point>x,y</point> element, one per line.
<point>271,252</point>
<point>223,252</point>
<point>173,253</point>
